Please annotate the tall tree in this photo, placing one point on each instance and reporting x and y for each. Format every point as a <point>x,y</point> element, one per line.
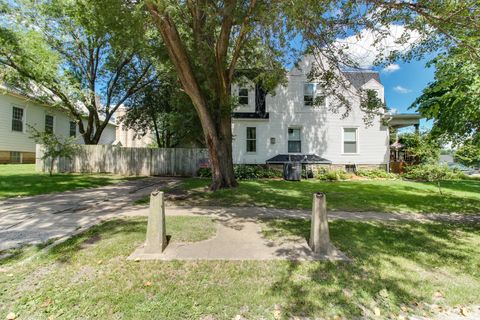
<point>452,100</point>
<point>86,57</point>
<point>208,41</point>
<point>166,112</point>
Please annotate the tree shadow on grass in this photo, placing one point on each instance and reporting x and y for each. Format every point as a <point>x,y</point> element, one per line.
<point>38,183</point>
<point>66,250</point>
<point>380,196</point>
<point>381,274</point>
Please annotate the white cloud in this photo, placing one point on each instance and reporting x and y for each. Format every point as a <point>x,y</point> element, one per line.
<point>391,68</point>
<point>392,111</point>
<point>368,46</point>
<point>401,89</point>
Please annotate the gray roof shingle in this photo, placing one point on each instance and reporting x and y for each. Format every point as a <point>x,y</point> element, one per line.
<point>359,78</point>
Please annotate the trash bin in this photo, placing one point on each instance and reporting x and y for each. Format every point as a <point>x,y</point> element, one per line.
<point>292,171</point>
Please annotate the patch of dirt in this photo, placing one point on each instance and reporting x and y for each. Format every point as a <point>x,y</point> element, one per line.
<point>176,194</point>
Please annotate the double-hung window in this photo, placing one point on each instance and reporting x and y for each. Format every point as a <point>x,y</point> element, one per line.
<point>73,129</point>
<point>350,140</point>
<point>251,139</point>
<point>294,140</point>
<point>243,96</point>
<point>311,97</point>
<point>17,119</point>
<point>48,123</point>
<point>308,94</point>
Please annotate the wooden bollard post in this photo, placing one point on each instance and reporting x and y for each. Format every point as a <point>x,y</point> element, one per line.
<point>156,234</point>
<point>319,233</point>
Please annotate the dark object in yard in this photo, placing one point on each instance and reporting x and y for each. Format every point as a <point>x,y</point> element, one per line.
<point>292,171</point>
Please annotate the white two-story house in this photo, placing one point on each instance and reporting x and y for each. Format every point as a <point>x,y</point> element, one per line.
<point>18,112</point>
<point>287,126</point>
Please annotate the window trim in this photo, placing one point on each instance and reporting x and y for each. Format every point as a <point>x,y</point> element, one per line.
<point>45,122</point>
<point>357,140</point>
<point>247,96</point>
<point>24,118</point>
<point>247,139</point>
<point>314,96</point>
<point>70,129</point>
<point>288,140</point>
<point>313,93</point>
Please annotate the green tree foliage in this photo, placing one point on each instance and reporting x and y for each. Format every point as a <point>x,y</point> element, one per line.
<point>423,146</point>
<point>86,57</point>
<point>433,25</point>
<point>210,42</point>
<point>468,154</point>
<point>165,111</point>
<point>54,147</point>
<point>452,100</point>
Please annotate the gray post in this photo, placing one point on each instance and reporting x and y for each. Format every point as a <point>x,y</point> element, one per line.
<point>319,234</point>
<point>156,235</point>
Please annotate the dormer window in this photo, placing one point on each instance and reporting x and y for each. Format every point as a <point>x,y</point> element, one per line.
<point>243,96</point>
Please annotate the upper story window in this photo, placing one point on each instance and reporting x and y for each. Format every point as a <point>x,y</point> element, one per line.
<point>308,94</point>
<point>243,96</point>
<point>251,139</point>
<point>311,97</point>
<point>73,129</point>
<point>17,119</point>
<point>350,140</point>
<point>48,123</point>
<point>294,140</point>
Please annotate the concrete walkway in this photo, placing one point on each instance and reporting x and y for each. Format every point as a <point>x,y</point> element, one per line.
<point>254,213</point>
<point>34,220</point>
<point>238,239</point>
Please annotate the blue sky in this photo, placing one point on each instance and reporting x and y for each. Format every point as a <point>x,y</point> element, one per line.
<point>404,83</point>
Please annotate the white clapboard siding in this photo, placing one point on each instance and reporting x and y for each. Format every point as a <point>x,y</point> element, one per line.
<point>128,161</point>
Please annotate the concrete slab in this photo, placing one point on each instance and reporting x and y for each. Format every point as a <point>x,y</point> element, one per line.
<point>37,219</point>
<point>238,239</point>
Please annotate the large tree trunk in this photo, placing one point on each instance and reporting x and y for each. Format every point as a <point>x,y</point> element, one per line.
<point>217,130</point>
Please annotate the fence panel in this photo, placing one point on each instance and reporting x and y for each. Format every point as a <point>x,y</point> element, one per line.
<point>128,161</point>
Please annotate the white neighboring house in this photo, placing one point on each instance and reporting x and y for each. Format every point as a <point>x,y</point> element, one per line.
<point>284,127</point>
<point>17,112</point>
<point>127,137</point>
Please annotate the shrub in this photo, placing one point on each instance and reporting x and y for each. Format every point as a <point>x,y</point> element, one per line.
<point>245,172</point>
<point>331,175</point>
<point>376,174</point>
<point>433,172</point>
<point>250,172</point>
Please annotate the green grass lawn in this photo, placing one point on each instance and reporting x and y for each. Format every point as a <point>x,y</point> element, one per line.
<point>396,266</point>
<point>22,180</point>
<point>461,196</point>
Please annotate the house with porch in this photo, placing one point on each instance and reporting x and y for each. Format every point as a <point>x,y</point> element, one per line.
<point>286,126</point>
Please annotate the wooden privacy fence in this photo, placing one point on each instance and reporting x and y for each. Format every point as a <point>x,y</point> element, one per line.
<point>128,161</point>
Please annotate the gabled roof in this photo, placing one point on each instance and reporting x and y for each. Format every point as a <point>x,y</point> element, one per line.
<point>359,78</point>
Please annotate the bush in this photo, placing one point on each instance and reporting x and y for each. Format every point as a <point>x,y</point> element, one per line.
<point>245,172</point>
<point>331,175</point>
<point>432,172</point>
<point>376,174</point>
